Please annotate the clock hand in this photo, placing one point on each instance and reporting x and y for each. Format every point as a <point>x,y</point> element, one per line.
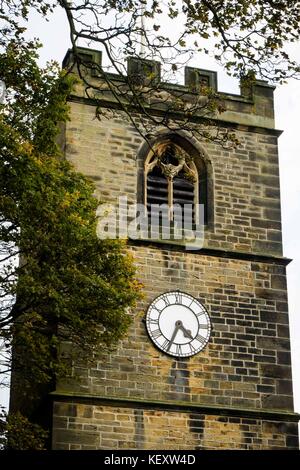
<point>177,326</point>
<point>186,333</point>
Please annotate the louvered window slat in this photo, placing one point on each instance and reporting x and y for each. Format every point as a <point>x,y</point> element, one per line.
<point>157,188</point>
<point>183,190</point>
<point>183,195</point>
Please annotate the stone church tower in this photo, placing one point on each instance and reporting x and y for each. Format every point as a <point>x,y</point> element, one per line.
<point>206,363</point>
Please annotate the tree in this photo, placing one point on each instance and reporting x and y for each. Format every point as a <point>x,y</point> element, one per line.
<point>59,282</point>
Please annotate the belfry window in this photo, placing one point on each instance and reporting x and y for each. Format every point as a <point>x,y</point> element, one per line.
<point>171,178</point>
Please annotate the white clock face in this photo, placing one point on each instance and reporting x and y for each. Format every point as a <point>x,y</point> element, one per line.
<point>178,324</point>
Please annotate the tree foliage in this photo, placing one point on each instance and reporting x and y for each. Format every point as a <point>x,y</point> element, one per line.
<point>18,433</point>
<point>59,283</point>
<point>247,37</point>
<point>242,35</point>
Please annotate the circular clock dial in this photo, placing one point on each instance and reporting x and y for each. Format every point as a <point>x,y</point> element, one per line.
<point>178,324</point>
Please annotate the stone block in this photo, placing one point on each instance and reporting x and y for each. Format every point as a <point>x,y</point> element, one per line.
<point>284,387</point>
<point>276,371</point>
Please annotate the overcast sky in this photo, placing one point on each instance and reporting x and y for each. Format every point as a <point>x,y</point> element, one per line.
<point>54,37</point>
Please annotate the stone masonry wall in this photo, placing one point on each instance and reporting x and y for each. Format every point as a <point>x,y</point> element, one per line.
<point>246,180</point>
<point>246,362</point>
<point>93,427</point>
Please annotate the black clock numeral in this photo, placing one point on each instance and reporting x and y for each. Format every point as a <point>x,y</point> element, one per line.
<point>165,298</point>
<point>200,338</point>
<point>153,321</point>
<point>178,349</point>
<point>165,345</point>
<point>156,333</point>
<point>203,325</point>
<point>157,309</point>
<point>192,348</point>
<point>178,297</point>
<point>198,314</point>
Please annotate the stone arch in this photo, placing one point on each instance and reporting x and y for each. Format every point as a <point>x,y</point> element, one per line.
<point>200,158</point>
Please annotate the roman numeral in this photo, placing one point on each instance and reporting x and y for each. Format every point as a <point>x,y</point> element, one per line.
<point>192,348</point>
<point>156,333</point>
<point>178,349</point>
<point>178,297</point>
<point>200,338</point>
<point>165,298</point>
<point>153,321</point>
<point>165,345</point>
<point>203,325</point>
<point>198,314</point>
<point>157,309</point>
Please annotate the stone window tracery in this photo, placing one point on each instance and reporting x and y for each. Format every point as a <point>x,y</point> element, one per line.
<point>171,177</point>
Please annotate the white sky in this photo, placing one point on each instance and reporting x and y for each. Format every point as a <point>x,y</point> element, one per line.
<point>54,36</point>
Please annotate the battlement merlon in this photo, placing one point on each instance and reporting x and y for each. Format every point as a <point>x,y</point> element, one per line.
<point>253,107</point>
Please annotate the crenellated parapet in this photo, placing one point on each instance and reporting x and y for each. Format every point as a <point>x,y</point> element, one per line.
<point>254,105</point>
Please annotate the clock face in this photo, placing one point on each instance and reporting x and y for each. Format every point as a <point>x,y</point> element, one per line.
<point>178,324</point>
